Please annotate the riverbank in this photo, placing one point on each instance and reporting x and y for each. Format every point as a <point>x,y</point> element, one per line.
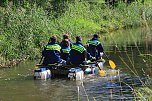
<point>12,63</point>
<point>25,29</point>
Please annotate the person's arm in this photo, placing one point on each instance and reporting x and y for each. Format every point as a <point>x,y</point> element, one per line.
<point>44,52</point>
<point>100,48</point>
<point>89,57</point>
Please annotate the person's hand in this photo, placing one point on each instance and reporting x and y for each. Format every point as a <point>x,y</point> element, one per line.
<point>86,62</point>
<point>93,59</point>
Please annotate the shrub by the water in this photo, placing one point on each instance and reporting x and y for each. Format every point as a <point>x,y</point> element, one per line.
<point>26,28</point>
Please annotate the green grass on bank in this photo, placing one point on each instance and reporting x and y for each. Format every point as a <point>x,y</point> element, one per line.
<point>24,30</point>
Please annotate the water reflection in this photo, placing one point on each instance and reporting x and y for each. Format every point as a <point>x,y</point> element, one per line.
<point>115,85</point>
<point>113,88</point>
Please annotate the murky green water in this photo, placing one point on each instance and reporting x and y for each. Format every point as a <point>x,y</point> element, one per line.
<point>17,84</point>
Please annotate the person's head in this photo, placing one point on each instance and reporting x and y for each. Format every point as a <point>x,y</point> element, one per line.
<point>53,39</point>
<point>78,38</point>
<point>65,36</point>
<point>96,36</point>
<point>65,42</point>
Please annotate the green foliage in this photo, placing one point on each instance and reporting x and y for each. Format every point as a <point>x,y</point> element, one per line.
<point>20,28</point>
<point>78,19</point>
<point>25,28</point>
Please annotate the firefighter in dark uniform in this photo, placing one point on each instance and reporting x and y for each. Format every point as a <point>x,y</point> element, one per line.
<point>65,49</point>
<point>51,52</point>
<point>94,47</point>
<point>78,53</point>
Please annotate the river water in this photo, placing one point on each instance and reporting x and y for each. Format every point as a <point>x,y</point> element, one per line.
<point>129,49</point>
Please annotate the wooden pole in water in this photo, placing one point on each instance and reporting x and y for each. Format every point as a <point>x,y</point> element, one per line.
<point>78,93</point>
<point>111,95</point>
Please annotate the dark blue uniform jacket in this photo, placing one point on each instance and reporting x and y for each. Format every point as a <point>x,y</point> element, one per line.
<point>78,53</point>
<point>94,48</point>
<point>51,53</point>
<point>65,52</point>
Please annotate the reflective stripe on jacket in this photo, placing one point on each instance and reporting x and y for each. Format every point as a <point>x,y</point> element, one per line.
<point>51,53</point>
<point>78,47</point>
<point>95,48</point>
<point>65,53</point>
<point>53,47</point>
<point>66,50</point>
<point>93,42</point>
